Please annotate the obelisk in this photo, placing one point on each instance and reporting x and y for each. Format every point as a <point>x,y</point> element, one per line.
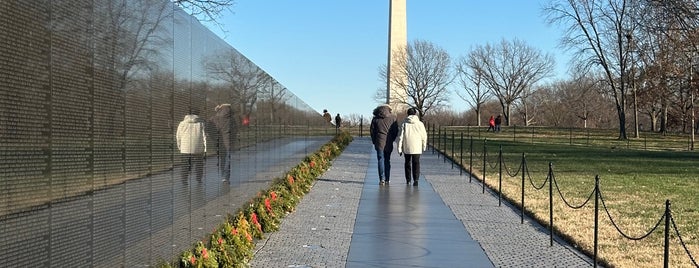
<point>397,44</point>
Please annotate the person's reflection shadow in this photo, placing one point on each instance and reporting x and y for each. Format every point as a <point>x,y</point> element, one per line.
<point>383,208</point>
<point>411,199</point>
<point>198,193</point>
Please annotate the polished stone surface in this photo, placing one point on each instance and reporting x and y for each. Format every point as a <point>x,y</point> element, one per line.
<point>401,225</point>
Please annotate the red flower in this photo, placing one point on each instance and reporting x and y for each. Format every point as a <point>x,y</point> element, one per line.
<point>204,253</point>
<point>248,236</point>
<point>234,231</point>
<point>256,222</point>
<point>274,196</point>
<point>291,179</point>
<point>268,205</point>
<point>313,164</point>
<point>193,260</point>
<point>220,241</point>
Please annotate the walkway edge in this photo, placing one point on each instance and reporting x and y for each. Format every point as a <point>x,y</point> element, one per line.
<point>318,232</point>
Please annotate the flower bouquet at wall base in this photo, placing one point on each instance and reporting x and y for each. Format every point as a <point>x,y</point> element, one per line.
<point>200,258</point>
<point>285,200</point>
<point>268,220</point>
<point>233,242</point>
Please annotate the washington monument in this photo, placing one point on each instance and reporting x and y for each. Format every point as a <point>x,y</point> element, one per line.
<point>397,43</point>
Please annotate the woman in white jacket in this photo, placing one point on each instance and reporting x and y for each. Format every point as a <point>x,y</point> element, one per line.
<point>191,141</point>
<point>412,141</point>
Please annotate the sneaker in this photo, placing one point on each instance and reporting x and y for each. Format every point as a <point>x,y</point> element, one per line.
<point>415,183</point>
<point>407,182</point>
<point>382,182</point>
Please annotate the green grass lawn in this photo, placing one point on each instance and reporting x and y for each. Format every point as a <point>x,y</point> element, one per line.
<point>636,177</point>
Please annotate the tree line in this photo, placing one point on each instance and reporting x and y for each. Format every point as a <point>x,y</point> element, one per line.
<point>633,68</point>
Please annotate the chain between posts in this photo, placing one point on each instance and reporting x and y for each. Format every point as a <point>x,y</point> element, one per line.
<point>596,193</point>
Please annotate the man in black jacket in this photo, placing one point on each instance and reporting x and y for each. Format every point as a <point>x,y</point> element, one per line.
<point>384,131</point>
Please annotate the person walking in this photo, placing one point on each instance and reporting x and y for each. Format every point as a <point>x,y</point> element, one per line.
<point>223,134</point>
<point>491,124</point>
<point>383,130</point>
<point>498,122</point>
<point>191,142</point>
<point>338,121</point>
<point>412,141</point>
<point>327,116</point>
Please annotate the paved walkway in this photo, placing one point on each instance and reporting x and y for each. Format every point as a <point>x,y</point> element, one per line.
<point>348,220</point>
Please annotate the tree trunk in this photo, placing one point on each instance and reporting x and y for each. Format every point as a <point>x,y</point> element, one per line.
<point>622,123</point>
<point>653,121</point>
<point>507,115</point>
<point>478,115</point>
<point>526,115</point>
<point>663,118</point>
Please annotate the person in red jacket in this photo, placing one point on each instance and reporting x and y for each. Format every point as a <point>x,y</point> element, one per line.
<point>491,124</point>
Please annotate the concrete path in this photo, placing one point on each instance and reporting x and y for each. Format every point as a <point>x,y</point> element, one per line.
<point>348,220</point>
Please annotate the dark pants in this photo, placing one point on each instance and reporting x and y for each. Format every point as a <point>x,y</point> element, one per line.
<point>224,164</point>
<point>192,163</point>
<point>412,167</point>
<point>383,156</point>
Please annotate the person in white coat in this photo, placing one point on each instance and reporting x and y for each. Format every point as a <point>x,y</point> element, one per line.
<point>191,141</point>
<point>412,141</point>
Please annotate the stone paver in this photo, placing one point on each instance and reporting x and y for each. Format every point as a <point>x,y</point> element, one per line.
<point>506,241</point>
<point>319,232</point>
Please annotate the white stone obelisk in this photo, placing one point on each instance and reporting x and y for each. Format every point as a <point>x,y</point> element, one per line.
<point>397,44</point>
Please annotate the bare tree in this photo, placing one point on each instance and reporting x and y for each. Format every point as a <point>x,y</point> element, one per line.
<point>670,46</point>
<point>427,72</point>
<point>245,80</point>
<point>355,120</point>
<point>273,97</point>
<point>205,10</point>
<point>601,33</point>
<point>542,106</point>
<point>585,99</point>
<point>474,92</point>
<point>526,104</point>
<point>509,69</point>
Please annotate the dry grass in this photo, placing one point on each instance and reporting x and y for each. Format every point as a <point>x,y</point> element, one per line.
<point>634,184</point>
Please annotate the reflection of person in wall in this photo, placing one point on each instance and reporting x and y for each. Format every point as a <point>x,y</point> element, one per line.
<point>327,116</point>
<point>223,135</point>
<point>191,141</point>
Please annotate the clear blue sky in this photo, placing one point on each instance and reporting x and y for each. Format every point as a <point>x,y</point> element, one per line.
<point>328,52</point>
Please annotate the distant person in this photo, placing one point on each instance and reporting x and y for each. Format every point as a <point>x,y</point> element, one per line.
<point>498,122</point>
<point>412,141</point>
<point>223,134</point>
<point>338,121</point>
<point>327,116</point>
<point>384,130</point>
<point>191,142</point>
<point>491,124</point>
